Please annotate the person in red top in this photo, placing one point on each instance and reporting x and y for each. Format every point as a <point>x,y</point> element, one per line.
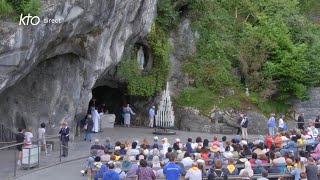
<point>268,140</point>
<point>204,154</point>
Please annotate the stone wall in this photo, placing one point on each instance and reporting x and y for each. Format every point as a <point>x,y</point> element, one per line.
<point>310,107</point>
<point>47,71</point>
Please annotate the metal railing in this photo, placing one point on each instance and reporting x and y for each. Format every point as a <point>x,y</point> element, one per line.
<point>35,144</point>
<point>6,135</point>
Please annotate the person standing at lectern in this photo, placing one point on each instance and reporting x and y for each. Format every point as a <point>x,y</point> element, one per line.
<point>151,116</point>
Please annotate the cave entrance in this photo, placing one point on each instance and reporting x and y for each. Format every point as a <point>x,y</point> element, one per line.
<point>111,98</point>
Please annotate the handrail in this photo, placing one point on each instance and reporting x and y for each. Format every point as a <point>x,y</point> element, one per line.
<point>13,145</point>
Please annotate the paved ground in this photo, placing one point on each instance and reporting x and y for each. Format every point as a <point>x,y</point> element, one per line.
<point>79,149</point>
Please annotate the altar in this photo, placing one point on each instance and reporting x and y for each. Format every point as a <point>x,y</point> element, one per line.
<point>107,121</point>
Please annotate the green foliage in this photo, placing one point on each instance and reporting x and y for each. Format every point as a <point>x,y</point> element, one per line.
<point>274,52</point>
<point>166,14</point>
<point>210,66</point>
<point>268,106</point>
<point>200,98</point>
<point>272,42</point>
<point>5,8</point>
<point>205,99</point>
<point>32,7</point>
<point>24,7</point>
<point>140,84</point>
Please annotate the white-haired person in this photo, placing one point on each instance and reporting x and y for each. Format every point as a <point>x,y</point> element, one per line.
<point>117,169</point>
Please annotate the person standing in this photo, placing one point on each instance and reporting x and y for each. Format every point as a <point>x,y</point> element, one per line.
<point>64,131</point>
<point>239,123</point>
<point>42,137</point>
<point>281,124</point>
<point>244,127</point>
<point>89,124</point>
<point>27,137</point>
<point>271,124</point>
<point>19,139</point>
<point>128,111</point>
<point>96,118</point>
<point>301,121</point>
<point>151,116</point>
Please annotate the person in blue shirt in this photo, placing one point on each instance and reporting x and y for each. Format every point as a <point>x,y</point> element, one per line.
<point>272,124</point>
<point>151,116</point>
<point>172,170</point>
<point>291,147</point>
<point>111,174</point>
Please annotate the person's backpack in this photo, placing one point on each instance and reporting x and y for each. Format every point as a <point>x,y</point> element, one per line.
<point>215,175</point>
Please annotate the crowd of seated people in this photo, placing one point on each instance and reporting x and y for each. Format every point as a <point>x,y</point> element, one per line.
<point>294,154</point>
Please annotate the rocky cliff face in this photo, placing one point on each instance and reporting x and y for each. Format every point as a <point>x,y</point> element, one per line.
<point>47,71</point>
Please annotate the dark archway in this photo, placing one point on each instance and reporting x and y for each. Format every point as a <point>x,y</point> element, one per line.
<point>112,98</point>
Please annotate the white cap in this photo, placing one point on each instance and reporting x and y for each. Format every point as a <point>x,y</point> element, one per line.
<point>155,138</point>
<point>96,140</point>
<point>177,140</point>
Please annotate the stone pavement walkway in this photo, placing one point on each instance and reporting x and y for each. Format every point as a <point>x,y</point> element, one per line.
<point>79,149</point>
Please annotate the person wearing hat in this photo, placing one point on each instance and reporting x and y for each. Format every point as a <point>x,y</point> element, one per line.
<point>242,159</point>
<point>156,142</point>
<point>151,116</point>
<point>165,146</point>
<point>64,131</point>
<point>214,148</point>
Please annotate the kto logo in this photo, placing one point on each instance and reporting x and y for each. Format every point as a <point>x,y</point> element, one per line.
<point>25,20</point>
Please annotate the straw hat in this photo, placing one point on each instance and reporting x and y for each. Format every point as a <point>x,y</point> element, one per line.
<point>165,140</point>
<point>214,148</point>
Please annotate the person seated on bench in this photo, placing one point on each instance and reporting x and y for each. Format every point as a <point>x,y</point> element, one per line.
<point>264,175</point>
<point>291,147</point>
<point>217,172</point>
<point>231,169</point>
<point>248,168</point>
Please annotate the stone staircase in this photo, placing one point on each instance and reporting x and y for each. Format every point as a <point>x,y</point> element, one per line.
<point>226,129</point>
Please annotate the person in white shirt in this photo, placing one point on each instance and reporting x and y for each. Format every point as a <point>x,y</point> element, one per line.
<point>194,172</point>
<point>117,169</point>
<point>42,137</point>
<point>281,123</point>
<point>159,173</point>
<point>187,161</point>
<point>27,137</point>
<point>133,151</point>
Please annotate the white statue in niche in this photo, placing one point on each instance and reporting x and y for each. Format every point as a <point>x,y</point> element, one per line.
<point>140,58</point>
<point>247,91</point>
